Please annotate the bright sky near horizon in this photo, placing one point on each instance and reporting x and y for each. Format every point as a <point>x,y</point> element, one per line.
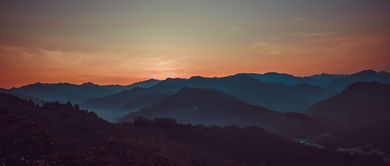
<point>123,41</point>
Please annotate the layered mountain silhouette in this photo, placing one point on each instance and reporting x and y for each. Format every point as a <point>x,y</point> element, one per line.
<point>211,107</point>
<point>361,104</point>
<point>276,96</point>
<point>64,92</point>
<point>62,134</point>
<point>320,80</point>
<point>276,91</point>
<point>114,107</point>
<point>363,76</point>
<point>337,82</point>
<point>189,121</point>
<point>23,96</point>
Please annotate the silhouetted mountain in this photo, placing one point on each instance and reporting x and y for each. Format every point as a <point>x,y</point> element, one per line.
<point>114,107</point>
<point>361,104</point>
<point>142,84</point>
<point>358,120</point>
<point>64,92</point>
<point>363,76</point>
<point>62,134</point>
<point>320,80</point>
<point>275,96</point>
<point>7,91</point>
<point>211,107</point>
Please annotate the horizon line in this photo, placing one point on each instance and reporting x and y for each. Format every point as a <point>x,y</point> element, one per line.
<point>191,77</point>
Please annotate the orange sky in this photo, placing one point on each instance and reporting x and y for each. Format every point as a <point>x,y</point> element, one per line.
<point>120,42</point>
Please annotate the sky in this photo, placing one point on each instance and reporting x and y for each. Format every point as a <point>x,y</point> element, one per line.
<point>124,41</point>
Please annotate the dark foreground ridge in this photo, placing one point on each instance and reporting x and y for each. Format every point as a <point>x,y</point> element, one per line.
<point>62,134</point>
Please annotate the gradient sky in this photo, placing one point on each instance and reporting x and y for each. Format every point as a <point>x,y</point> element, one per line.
<point>123,41</point>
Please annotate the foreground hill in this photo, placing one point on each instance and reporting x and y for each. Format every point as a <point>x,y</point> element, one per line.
<point>358,120</point>
<point>361,104</point>
<point>370,139</point>
<point>59,134</point>
<point>64,92</point>
<point>211,107</point>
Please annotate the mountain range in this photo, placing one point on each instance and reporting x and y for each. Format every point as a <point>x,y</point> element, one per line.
<point>275,96</point>
<point>363,76</point>
<point>211,107</point>
<point>336,82</point>
<point>65,92</point>
<point>320,80</point>
<point>275,91</point>
<point>243,119</point>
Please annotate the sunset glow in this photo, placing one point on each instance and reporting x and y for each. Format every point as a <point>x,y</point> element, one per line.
<point>121,42</point>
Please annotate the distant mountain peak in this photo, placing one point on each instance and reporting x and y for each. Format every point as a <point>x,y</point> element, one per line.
<point>35,84</point>
<point>46,84</point>
<point>277,74</point>
<point>368,71</point>
<point>89,84</point>
<point>197,77</point>
<point>150,80</point>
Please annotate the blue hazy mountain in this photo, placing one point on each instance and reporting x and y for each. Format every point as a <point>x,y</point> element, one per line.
<point>212,107</point>
<point>279,92</point>
<point>113,107</point>
<point>276,96</point>
<point>64,92</point>
<point>22,96</point>
<point>363,76</point>
<point>337,82</point>
<point>320,80</point>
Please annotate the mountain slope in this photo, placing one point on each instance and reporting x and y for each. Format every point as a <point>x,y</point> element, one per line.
<point>34,99</point>
<point>211,107</point>
<point>358,119</point>
<point>361,104</point>
<point>320,80</point>
<point>276,96</point>
<point>363,76</point>
<point>59,134</point>
<point>64,92</point>
<point>113,107</point>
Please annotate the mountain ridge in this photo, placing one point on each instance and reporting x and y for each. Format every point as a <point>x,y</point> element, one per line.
<point>212,107</point>
<point>362,103</point>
